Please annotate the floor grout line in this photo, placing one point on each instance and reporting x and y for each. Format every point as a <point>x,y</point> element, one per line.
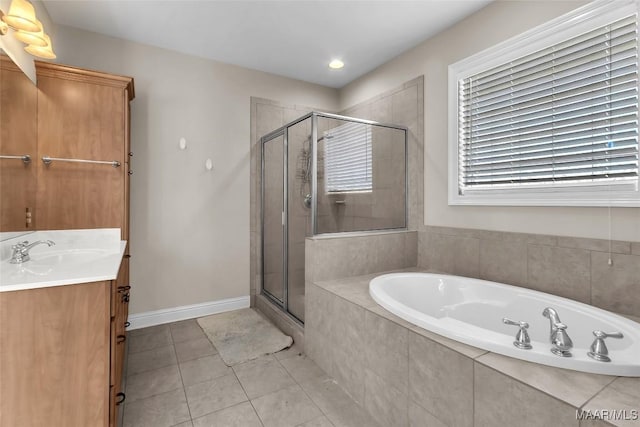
<point>247,395</point>
<point>184,389</point>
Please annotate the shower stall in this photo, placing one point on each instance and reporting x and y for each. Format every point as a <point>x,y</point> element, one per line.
<point>325,174</point>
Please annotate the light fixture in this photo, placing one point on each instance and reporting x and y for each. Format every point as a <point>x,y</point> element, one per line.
<point>21,16</point>
<point>336,64</point>
<point>22,19</point>
<point>45,52</point>
<point>32,38</point>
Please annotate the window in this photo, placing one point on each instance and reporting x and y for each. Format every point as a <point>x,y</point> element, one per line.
<point>347,159</point>
<point>551,117</point>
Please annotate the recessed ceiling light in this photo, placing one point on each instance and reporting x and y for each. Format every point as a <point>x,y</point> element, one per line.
<point>336,64</point>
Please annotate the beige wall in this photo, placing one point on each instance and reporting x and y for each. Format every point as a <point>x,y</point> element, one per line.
<point>189,227</point>
<point>493,24</point>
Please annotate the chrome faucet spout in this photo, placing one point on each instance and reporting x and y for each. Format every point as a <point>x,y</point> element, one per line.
<point>39,242</point>
<point>552,315</point>
<point>558,336</point>
<point>21,250</point>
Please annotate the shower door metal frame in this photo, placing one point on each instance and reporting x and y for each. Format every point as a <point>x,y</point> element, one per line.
<point>284,133</point>
<point>281,132</point>
<point>314,179</point>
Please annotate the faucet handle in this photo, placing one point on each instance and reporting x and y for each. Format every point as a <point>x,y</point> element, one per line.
<point>522,337</point>
<point>520,323</point>
<point>19,247</point>
<point>600,334</point>
<point>599,349</point>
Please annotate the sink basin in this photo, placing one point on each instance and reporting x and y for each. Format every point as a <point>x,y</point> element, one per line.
<point>69,256</point>
<point>79,256</point>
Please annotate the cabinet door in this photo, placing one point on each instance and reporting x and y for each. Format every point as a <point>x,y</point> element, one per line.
<point>85,121</point>
<point>18,137</point>
<point>54,363</point>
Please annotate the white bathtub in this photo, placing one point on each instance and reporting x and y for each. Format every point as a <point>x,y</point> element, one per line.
<point>471,311</point>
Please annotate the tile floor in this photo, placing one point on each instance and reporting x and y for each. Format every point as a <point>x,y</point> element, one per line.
<point>176,378</point>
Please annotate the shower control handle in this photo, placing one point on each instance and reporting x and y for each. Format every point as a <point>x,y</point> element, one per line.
<point>522,337</point>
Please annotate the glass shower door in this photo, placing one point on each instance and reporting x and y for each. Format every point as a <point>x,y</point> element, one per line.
<point>286,201</point>
<point>274,231</point>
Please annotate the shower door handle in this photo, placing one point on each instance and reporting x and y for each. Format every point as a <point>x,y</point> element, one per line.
<point>283,222</point>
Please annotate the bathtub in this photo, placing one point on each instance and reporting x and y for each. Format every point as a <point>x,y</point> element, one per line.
<point>471,311</point>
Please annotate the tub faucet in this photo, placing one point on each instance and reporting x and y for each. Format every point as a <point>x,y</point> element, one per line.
<point>21,250</point>
<point>558,336</point>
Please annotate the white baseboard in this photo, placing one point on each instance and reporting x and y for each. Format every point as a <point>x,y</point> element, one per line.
<point>168,315</point>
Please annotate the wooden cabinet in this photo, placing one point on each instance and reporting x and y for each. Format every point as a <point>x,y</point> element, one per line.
<point>62,354</point>
<point>62,348</point>
<point>82,115</point>
<point>72,114</point>
<point>54,356</point>
<point>18,137</point>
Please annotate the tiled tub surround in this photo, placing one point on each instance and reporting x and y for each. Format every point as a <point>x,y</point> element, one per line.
<point>570,267</point>
<point>404,375</point>
<point>343,255</point>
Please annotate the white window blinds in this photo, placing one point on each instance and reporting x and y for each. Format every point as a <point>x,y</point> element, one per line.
<point>567,114</point>
<point>347,159</point>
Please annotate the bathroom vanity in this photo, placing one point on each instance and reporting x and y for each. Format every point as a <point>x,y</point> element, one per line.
<point>64,165</point>
<point>62,329</point>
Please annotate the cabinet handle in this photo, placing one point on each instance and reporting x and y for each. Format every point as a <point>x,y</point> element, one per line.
<point>122,396</point>
<point>127,324</point>
<point>122,289</point>
<point>120,339</point>
<point>130,153</point>
<point>130,172</point>
<point>127,256</point>
<point>125,298</point>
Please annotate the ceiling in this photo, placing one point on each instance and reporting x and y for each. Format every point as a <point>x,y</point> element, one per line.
<point>295,39</point>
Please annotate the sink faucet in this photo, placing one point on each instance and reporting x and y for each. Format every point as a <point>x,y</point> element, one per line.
<point>558,336</point>
<point>21,250</point>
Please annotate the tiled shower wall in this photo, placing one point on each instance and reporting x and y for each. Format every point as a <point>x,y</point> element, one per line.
<point>571,267</point>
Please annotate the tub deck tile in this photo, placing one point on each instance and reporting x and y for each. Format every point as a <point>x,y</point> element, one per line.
<point>442,380</point>
<point>499,400</point>
<point>464,349</point>
<point>623,394</point>
<point>572,387</point>
<point>356,289</point>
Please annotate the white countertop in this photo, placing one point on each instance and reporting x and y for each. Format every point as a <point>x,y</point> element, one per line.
<point>78,256</point>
